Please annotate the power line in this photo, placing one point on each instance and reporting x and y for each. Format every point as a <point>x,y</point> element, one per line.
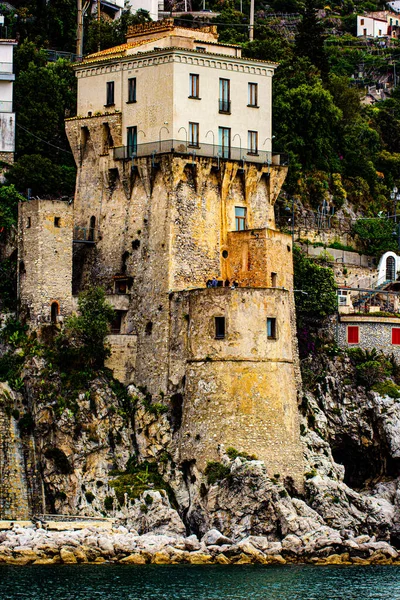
<point>44,141</point>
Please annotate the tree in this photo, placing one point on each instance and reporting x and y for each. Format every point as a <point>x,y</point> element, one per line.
<point>309,40</point>
<point>9,199</point>
<point>42,176</point>
<point>317,298</point>
<point>52,100</point>
<point>84,336</point>
<point>376,236</point>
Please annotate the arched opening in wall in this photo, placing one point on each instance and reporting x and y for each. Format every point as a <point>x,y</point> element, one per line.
<point>92,226</point>
<point>108,141</point>
<point>390,268</point>
<point>54,311</point>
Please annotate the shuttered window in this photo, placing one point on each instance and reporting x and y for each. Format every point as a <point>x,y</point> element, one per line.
<point>353,334</point>
<point>396,336</point>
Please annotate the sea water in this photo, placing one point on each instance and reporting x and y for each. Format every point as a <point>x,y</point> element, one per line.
<point>185,582</point>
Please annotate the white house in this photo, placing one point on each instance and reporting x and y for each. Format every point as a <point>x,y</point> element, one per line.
<point>175,83</point>
<point>7,116</point>
<point>369,26</point>
<point>382,23</point>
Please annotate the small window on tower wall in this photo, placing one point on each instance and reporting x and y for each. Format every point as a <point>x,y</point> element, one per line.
<point>396,336</point>
<point>271,328</point>
<point>219,328</point>
<point>57,222</point>
<point>353,334</point>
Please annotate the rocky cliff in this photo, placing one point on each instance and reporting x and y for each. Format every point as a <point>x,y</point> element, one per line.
<point>99,450</point>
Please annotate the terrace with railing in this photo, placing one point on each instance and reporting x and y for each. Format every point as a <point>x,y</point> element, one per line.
<point>201,150</point>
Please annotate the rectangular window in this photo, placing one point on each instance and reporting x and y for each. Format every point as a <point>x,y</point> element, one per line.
<point>219,328</point>
<point>362,22</point>
<point>224,140</point>
<point>117,321</point>
<point>224,96</point>
<point>353,334</point>
<point>273,279</point>
<point>131,141</point>
<point>396,336</point>
<point>240,218</point>
<point>253,142</point>
<point>28,222</point>
<point>132,90</point>
<point>110,93</point>
<point>253,94</point>
<point>365,32</point>
<point>194,134</point>
<point>57,221</point>
<point>271,328</point>
<point>194,85</point>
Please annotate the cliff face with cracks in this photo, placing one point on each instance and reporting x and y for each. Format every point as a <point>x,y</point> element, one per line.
<point>99,456</point>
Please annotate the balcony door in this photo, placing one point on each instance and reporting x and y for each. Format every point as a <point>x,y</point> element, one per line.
<point>131,141</point>
<point>224,141</point>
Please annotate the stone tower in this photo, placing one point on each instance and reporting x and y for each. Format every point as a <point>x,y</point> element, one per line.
<point>45,229</point>
<point>171,204</point>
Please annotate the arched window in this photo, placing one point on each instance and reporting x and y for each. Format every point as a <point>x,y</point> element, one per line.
<point>55,309</point>
<point>91,229</point>
<point>390,268</point>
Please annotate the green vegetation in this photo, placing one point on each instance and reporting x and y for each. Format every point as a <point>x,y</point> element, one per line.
<point>371,367</point>
<point>316,295</point>
<point>215,471</point>
<point>138,478</point>
<point>376,236</point>
<point>83,340</point>
<point>233,453</point>
<point>387,388</point>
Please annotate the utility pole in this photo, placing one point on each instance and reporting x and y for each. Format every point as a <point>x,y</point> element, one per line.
<point>251,28</point>
<point>98,24</point>
<point>79,30</point>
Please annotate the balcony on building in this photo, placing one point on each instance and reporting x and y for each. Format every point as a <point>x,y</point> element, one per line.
<point>216,151</point>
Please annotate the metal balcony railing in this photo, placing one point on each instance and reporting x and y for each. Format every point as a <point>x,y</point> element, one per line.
<point>203,150</point>
<point>224,106</point>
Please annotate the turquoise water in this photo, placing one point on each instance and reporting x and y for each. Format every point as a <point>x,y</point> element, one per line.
<point>179,582</point>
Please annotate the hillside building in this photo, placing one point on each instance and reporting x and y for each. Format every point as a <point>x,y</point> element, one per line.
<point>378,24</point>
<point>175,193</point>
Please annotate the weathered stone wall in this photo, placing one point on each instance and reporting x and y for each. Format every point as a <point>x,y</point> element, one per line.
<point>374,332</point>
<point>259,257</point>
<point>240,390</point>
<point>165,224</point>
<point>13,485</point>
<point>45,258</point>
<point>123,357</point>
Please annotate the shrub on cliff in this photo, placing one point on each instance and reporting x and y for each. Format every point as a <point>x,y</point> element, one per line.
<point>83,340</point>
<point>315,288</point>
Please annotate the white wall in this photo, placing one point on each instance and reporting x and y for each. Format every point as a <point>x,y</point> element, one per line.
<point>162,96</point>
<point>206,111</point>
<point>374,28</point>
